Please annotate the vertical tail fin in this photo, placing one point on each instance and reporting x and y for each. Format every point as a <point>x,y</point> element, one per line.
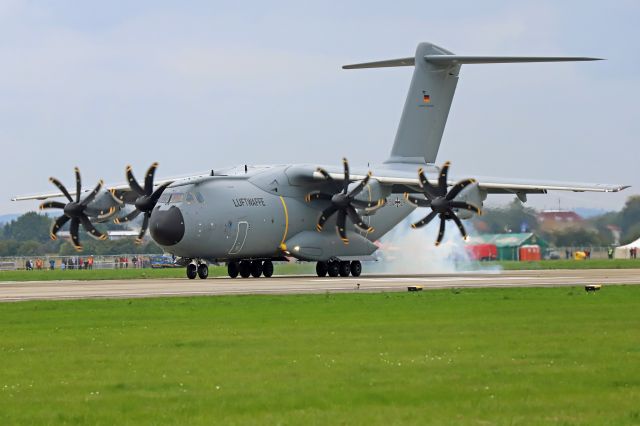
<point>433,85</point>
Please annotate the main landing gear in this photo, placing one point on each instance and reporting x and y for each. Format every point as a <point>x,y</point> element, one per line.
<point>343,268</point>
<point>250,268</point>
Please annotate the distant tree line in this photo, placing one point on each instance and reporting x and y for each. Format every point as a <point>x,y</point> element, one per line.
<point>28,235</point>
<point>593,232</point>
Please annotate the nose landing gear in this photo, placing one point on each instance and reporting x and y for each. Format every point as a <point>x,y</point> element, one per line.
<point>200,269</point>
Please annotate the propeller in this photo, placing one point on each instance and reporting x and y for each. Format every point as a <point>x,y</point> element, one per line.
<point>343,203</point>
<point>74,211</point>
<point>441,201</point>
<point>147,198</point>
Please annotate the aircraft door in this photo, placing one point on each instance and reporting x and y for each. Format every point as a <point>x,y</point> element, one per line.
<point>241,236</point>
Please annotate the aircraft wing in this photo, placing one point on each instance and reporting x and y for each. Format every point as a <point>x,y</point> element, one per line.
<point>407,181</point>
<point>121,191</point>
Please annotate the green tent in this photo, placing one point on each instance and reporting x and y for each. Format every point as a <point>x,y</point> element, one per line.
<point>509,244</point>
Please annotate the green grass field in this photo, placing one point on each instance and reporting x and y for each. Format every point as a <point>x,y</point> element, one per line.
<point>484,356</point>
<point>570,264</point>
<point>295,268</point>
<point>132,273</point>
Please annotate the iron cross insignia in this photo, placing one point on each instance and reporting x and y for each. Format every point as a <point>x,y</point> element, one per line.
<point>397,202</point>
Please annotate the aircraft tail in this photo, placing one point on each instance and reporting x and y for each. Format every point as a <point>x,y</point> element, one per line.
<point>433,85</point>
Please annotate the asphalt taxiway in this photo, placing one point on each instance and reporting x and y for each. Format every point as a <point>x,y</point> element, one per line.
<point>57,290</point>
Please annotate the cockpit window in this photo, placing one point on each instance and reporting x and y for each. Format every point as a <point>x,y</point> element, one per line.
<point>199,197</point>
<point>164,198</point>
<point>177,197</point>
<point>189,198</point>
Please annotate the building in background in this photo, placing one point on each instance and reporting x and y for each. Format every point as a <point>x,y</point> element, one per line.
<point>516,246</point>
<point>555,220</point>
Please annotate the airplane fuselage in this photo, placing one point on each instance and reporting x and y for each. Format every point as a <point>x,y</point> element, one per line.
<point>256,216</point>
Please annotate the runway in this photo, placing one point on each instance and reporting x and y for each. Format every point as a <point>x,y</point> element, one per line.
<point>59,290</point>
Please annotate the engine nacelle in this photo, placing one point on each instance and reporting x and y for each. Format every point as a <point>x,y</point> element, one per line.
<point>472,194</point>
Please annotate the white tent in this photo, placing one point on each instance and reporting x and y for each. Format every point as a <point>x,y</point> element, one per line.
<point>623,252</point>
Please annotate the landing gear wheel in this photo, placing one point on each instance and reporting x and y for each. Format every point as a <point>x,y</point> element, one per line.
<point>322,269</point>
<point>267,269</point>
<point>256,268</point>
<point>203,271</point>
<point>245,268</point>
<point>232,269</point>
<point>356,268</point>
<point>333,269</point>
<point>345,268</point>
<point>192,271</point>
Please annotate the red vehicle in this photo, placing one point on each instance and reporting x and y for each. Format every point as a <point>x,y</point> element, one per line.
<point>482,252</point>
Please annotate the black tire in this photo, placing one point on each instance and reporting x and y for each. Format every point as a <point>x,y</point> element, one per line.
<point>333,269</point>
<point>267,269</point>
<point>232,269</point>
<point>203,271</point>
<point>356,268</point>
<point>345,268</point>
<point>256,268</point>
<point>321,269</point>
<point>245,268</point>
<point>192,271</point>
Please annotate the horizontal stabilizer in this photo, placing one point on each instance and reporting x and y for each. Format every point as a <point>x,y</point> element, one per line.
<point>402,62</point>
<point>460,59</point>
<point>465,59</point>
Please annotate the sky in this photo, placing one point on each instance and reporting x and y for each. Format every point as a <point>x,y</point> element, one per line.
<point>202,84</point>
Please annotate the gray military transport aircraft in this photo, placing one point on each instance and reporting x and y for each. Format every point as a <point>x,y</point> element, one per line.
<point>249,217</point>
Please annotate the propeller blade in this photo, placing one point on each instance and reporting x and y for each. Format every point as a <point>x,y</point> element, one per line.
<point>418,202</point>
<point>453,193</point>
<point>324,216</point>
<point>88,226</point>
<point>143,229</point>
<point>117,198</point>
<point>59,223</point>
<point>357,220</point>
<point>148,179</point>
<point>61,187</point>
<point>92,195</point>
<point>317,195</point>
<point>355,191</point>
<point>52,205</point>
<point>443,223</point>
<point>428,218</point>
<point>128,217</point>
<point>442,179</point>
<point>78,184</point>
<point>341,224</point>
<point>133,183</point>
<point>369,205</point>
<point>458,222</point>
<point>429,190</point>
<point>325,174</point>
<point>73,230</point>
<point>465,206</point>
<point>158,192</point>
<point>345,183</point>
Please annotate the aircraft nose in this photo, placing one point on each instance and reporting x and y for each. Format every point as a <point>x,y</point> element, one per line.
<point>167,226</point>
